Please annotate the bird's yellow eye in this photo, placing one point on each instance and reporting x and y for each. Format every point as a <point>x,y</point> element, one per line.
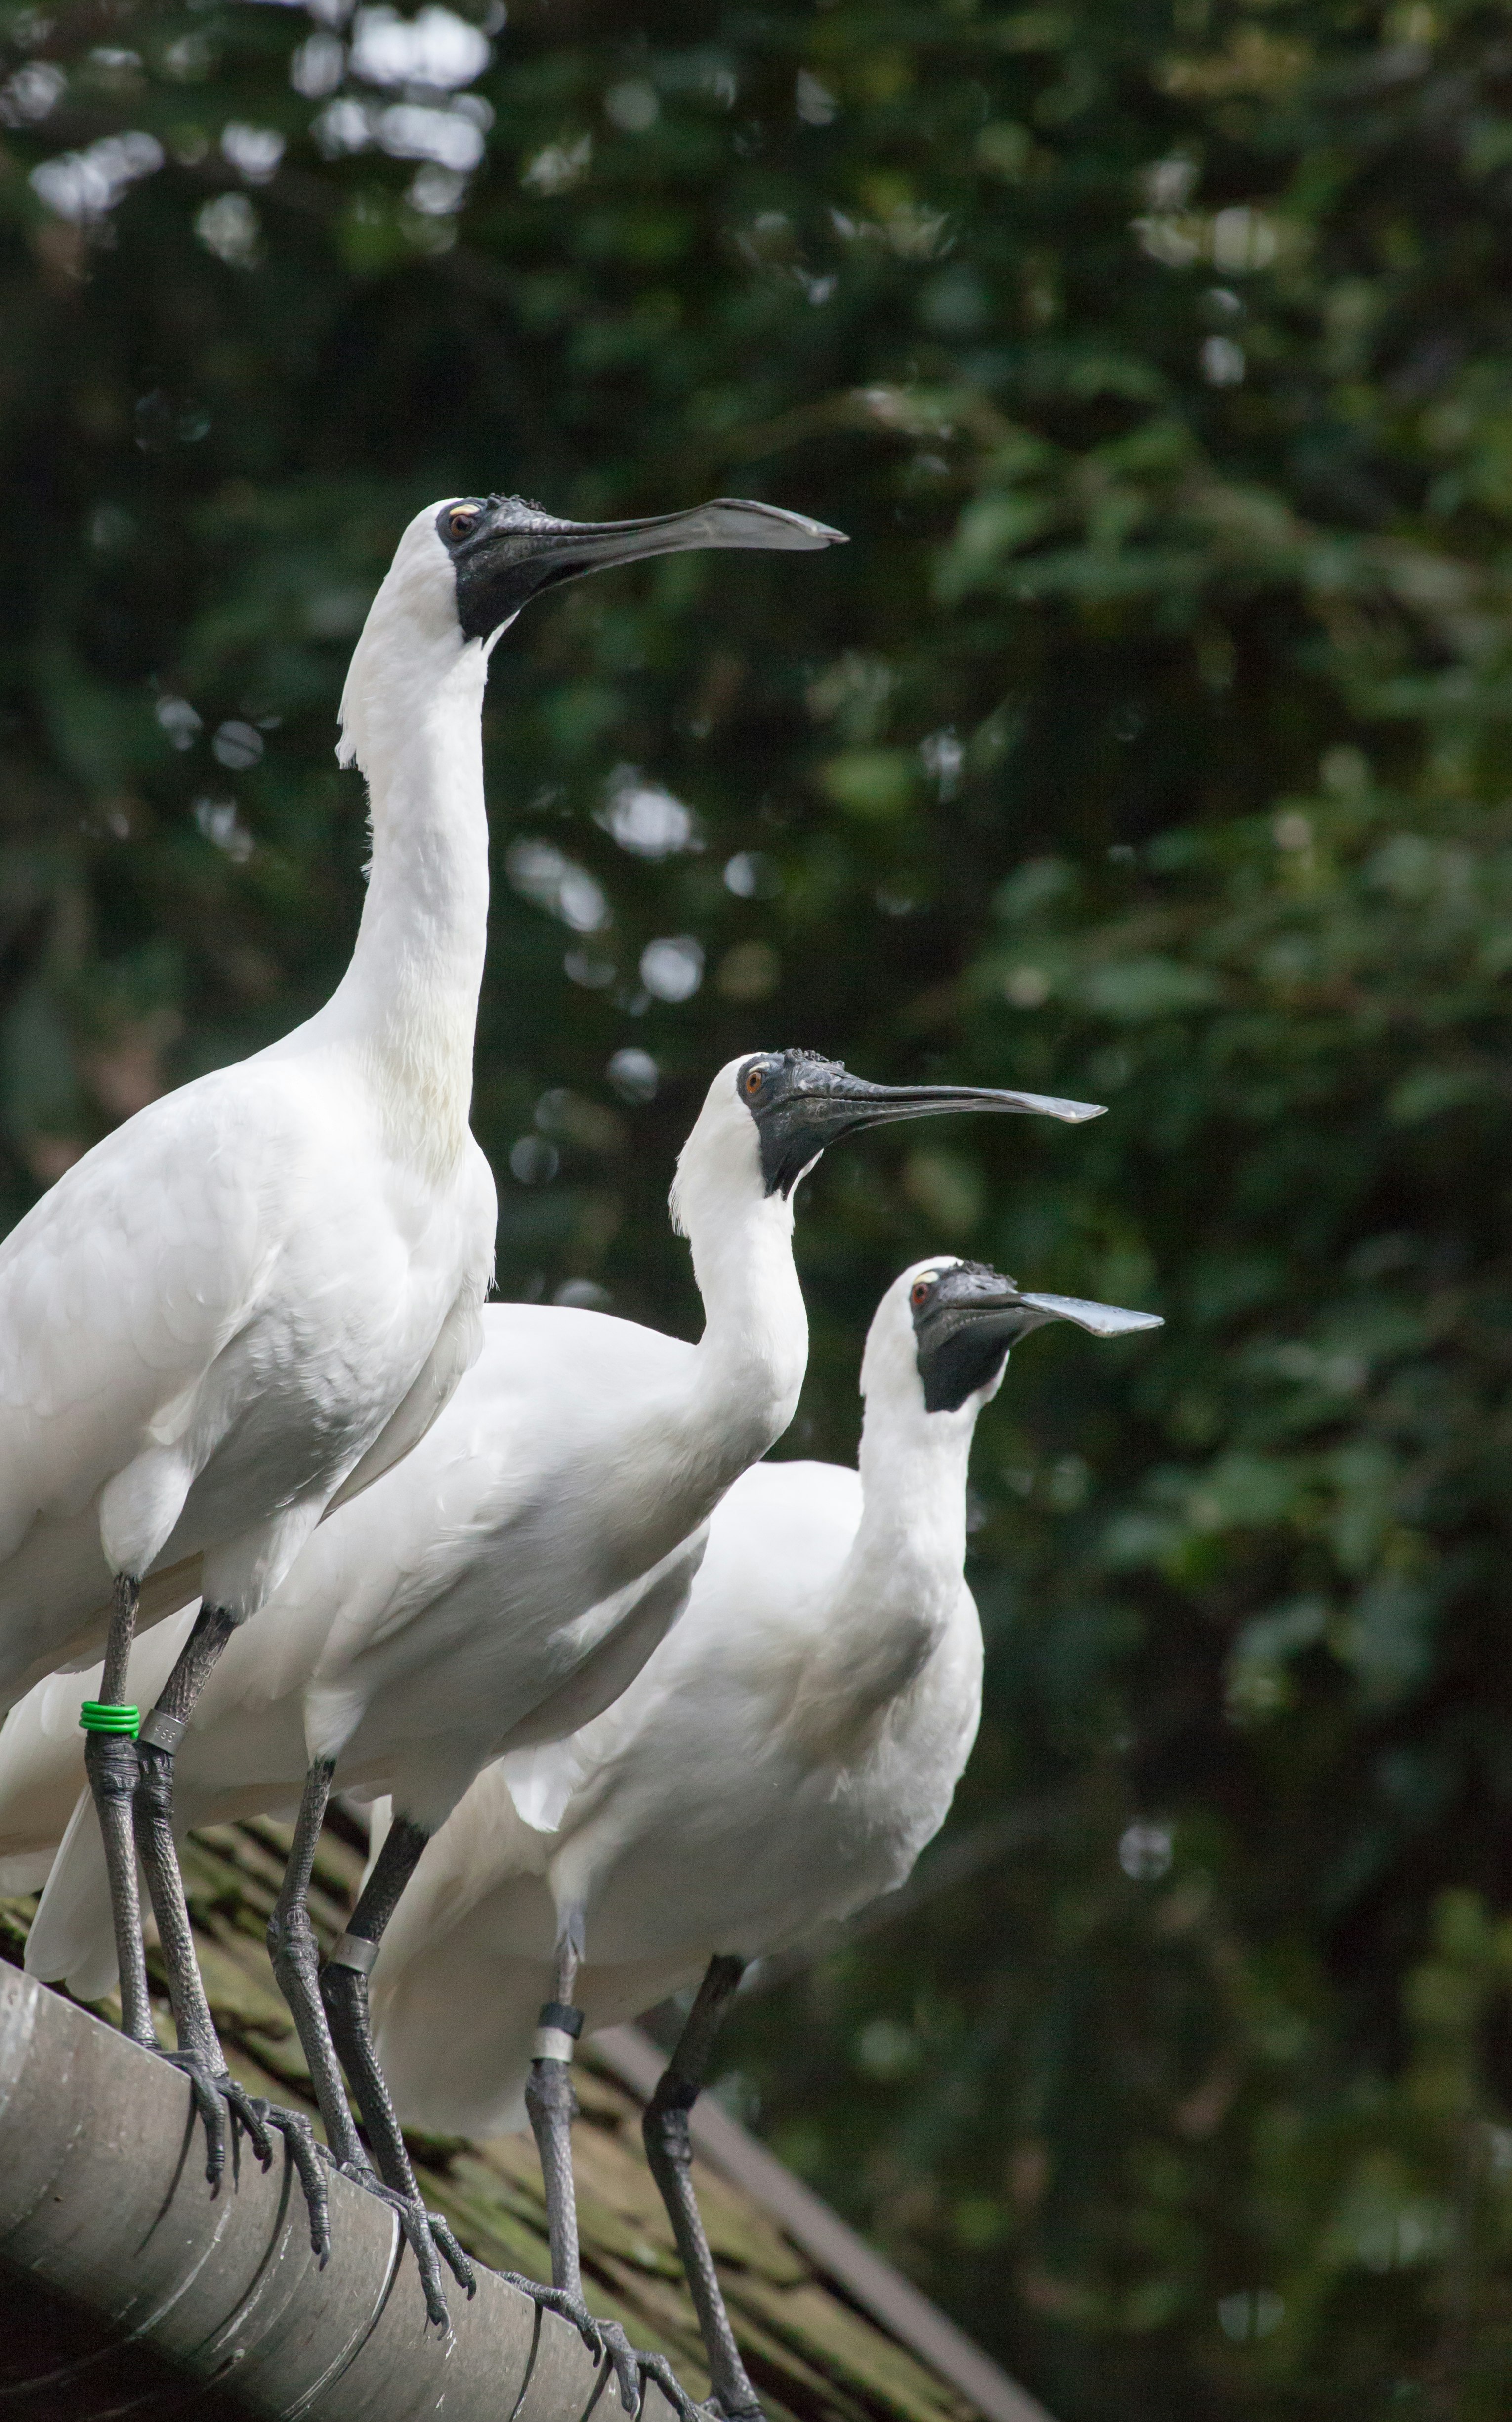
<point>462,519</point>
<point>755,1080</point>
<point>921,1291</point>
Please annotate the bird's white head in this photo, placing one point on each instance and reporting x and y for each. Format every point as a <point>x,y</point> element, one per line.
<point>719,1166</point>
<point>467,565</point>
<point>941,1338</point>
<point>412,637</point>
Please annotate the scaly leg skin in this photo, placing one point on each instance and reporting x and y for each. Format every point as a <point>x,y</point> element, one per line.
<point>110,1762</point>
<point>343,1986</point>
<point>295,1955</point>
<point>296,1962</point>
<point>669,2151</point>
<point>553,2106</point>
<point>199,2055</point>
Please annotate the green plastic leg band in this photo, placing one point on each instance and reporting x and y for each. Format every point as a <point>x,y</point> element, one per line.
<point>95,1716</point>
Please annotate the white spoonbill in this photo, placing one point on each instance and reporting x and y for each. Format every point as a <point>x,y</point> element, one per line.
<point>503,1585</point>
<point>259,1291</point>
<point>781,1759</point>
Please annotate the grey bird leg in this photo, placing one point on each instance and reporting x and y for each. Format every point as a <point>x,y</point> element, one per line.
<point>669,2151</point>
<point>553,2106</point>
<point>110,1762</point>
<point>295,1955</point>
<point>199,2055</point>
<point>343,1988</point>
<point>296,1962</point>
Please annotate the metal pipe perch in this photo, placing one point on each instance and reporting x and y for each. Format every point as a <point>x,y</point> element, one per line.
<point>102,2200</point>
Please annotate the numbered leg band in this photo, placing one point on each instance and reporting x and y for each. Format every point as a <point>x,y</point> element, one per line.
<point>353,1951</point>
<point>555,2037</point>
<point>96,1716</point>
<point>163,1732</point>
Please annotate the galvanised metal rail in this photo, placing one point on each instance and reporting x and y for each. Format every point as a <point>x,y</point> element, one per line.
<point>104,2203</point>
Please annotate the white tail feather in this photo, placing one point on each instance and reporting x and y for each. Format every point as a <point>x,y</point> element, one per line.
<point>71,1937</point>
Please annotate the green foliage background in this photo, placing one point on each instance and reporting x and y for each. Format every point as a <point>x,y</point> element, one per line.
<point>1150,742</point>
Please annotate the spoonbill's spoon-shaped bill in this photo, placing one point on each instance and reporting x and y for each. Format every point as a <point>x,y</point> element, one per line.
<point>506,551</point>
<point>802,1104</point>
<point>780,1760</point>
<point>968,1316</point>
<point>1097,1319</point>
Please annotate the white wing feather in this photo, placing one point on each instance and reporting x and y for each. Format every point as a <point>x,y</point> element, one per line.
<point>692,1815</point>
<point>118,1291</point>
<point>366,1577</point>
<point>155,1302</point>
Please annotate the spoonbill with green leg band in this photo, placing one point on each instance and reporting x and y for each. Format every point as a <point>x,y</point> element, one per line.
<point>257,1294</point>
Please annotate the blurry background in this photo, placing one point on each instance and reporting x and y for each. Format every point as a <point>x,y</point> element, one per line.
<point>1150,742</point>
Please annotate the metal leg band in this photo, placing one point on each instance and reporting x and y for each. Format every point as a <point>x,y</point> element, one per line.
<point>552,2043</point>
<point>555,2037</point>
<point>163,1732</point>
<point>353,1951</point>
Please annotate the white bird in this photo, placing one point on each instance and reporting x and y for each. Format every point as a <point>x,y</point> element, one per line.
<point>781,1759</point>
<point>502,1587</point>
<point>257,1294</point>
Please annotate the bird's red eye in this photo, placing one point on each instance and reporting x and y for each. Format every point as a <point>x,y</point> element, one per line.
<point>923,1290</point>
<point>754,1080</point>
<point>462,520</point>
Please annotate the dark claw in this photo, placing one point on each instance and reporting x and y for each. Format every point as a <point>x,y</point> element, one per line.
<point>457,2261</point>
<point>626,2363</point>
<point>426,2234</point>
<point>572,2308</point>
<point>416,2223</point>
<point>210,2112</point>
<point>215,2091</point>
<point>246,2111</point>
<point>632,2367</point>
<point>310,2160</point>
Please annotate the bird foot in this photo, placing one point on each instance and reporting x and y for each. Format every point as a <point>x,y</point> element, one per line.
<point>632,2369</point>
<point>572,2308</point>
<point>310,2161</point>
<point>426,2235</point>
<point>215,2093</point>
<point>717,2411</point>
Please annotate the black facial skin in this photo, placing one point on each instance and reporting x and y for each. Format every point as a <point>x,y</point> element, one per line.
<point>506,550</point>
<point>801,1103</point>
<point>965,1319</point>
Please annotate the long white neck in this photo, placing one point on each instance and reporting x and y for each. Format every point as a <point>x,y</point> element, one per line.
<point>900,1585</point>
<point>409,999</point>
<point>749,1365</point>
